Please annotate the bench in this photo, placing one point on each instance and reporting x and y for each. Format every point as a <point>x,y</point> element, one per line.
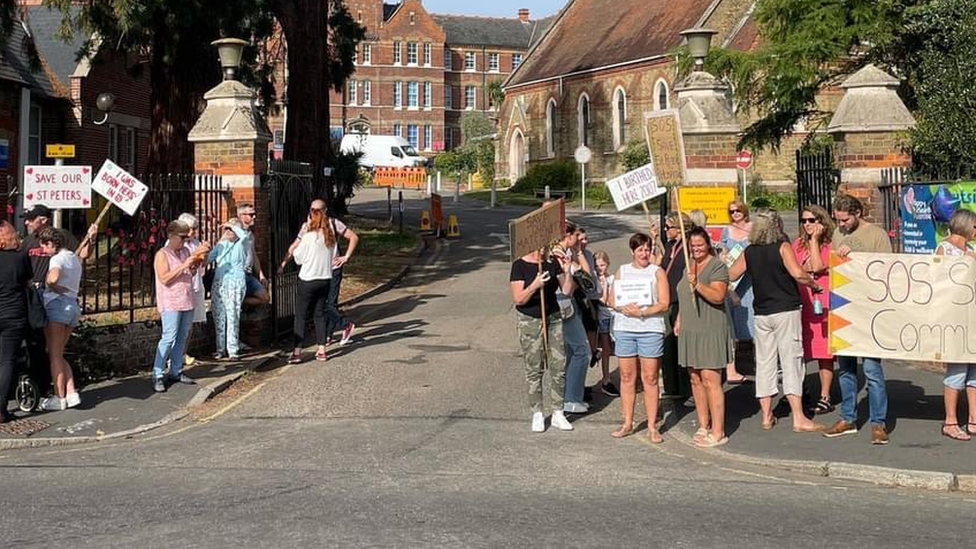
<point>554,193</point>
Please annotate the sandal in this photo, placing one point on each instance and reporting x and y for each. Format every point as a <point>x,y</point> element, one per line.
<point>958,434</point>
<point>622,432</point>
<point>769,426</point>
<point>823,406</point>
<point>654,436</point>
<point>710,441</point>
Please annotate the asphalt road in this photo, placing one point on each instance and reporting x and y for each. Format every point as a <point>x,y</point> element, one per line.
<point>418,436</point>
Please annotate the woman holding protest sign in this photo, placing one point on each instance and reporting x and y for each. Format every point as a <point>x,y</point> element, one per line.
<point>959,376</point>
<point>640,298</point>
<point>61,305</point>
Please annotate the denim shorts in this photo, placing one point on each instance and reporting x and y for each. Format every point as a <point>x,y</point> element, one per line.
<point>643,344</point>
<point>63,310</point>
<point>604,327</point>
<point>958,376</point>
<point>253,285</point>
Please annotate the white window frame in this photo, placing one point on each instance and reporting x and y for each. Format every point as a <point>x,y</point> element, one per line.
<point>619,126</point>
<point>426,54</point>
<point>428,137</point>
<point>516,61</point>
<point>448,59</point>
<point>470,61</point>
<point>416,135</point>
<point>367,92</point>
<point>657,94</point>
<point>396,130</point>
<point>583,118</point>
<point>550,128</point>
<point>412,54</point>
<point>352,92</point>
<point>413,95</point>
<point>397,53</point>
<point>448,97</point>
<point>493,62</point>
<point>367,54</point>
<point>397,95</point>
<point>470,92</point>
<point>428,100</point>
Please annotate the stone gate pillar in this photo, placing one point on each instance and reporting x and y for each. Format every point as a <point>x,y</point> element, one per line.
<point>709,129</point>
<point>870,131</point>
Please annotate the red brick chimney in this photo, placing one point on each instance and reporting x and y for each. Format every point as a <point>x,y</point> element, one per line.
<point>524,15</point>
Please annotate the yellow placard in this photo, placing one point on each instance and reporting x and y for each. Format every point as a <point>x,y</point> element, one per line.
<point>662,129</point>
<point>60,150</point>
<point>537,229</point>
<point>714,201</point>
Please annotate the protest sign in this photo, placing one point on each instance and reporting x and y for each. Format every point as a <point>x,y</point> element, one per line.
<point>57,187</point>
<point>638,292</point>
<point>634,187</point>
<point>119,187</point>
<point>537,229</point>
<point>714,201</point>
<point>662,129</point>
<point>902,306</point>
<point>925,213</point>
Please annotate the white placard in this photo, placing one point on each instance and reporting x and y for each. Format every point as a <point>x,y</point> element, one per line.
<point>634,187</point>
<point>57,187</point>
<point>626,292</point>
<point>119,187</point>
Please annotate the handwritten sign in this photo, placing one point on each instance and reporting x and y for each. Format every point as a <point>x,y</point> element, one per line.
<point>714,201</point>
<point>537,229</point>
<point>903,306</point>
<point>119,187</point>
<point>58,187</point>
<point>662,129</point>
<point>634,187</point>
<point>637,292</point>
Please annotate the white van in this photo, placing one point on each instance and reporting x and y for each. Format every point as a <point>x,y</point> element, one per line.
<point>388,151</point>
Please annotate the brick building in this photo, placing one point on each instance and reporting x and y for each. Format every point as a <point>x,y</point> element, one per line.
<point>417,73</point>
<point>600,66</point>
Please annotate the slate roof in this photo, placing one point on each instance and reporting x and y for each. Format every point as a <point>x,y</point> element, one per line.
<point>589,34</point>
<point>15,63</point>
<point>60,56</point>
<point>498,32</point>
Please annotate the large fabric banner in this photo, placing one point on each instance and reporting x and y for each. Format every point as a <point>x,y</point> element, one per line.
<point>903,306</point>
<point>925,213</point>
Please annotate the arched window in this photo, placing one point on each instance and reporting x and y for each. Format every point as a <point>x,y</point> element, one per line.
<point>551,128</point>
<point>619,118</point>
<point>583,119</point>
<point>661,95</point>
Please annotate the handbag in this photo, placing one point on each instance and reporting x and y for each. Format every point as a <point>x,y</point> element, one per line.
<point>36,315</point>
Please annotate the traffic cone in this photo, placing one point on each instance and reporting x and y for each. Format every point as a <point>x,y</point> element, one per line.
<point>425,221</point>
<point>453,229</point>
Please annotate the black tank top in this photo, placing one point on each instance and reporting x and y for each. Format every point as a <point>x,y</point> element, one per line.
<point>774,290</point>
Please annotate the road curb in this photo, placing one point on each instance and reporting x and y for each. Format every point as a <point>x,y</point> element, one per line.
<point>938,481</point>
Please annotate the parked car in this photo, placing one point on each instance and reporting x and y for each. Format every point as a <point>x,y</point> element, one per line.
<point>383,150</point>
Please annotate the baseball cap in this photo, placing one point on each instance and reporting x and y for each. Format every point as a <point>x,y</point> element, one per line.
<point>38,210</point>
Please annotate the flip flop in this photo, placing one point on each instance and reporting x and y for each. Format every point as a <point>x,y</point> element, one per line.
<point>769,426</point>
<point>700,434</point>
<point>622,433</point>
<point>654,436</point>
<point>960,435</point>
<point>710,441</point>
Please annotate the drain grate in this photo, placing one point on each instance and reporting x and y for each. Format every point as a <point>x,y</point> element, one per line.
<point>23,427</point>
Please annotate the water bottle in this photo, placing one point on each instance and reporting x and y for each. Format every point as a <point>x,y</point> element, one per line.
<point>817,306</point>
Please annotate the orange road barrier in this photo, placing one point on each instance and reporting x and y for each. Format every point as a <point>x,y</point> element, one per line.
<point>413,178</point>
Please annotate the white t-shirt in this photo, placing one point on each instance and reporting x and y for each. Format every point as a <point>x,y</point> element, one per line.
<point>314,257</point>
<point>69,274</point>
<point>338,227</point>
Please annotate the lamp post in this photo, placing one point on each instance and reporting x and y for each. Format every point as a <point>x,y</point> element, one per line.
<point>230,51</point>
<point>699,41</point>
<point>105,102</point>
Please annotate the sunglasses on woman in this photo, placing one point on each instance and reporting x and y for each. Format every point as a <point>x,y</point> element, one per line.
<point>734,211</point>
<point>808,220</point>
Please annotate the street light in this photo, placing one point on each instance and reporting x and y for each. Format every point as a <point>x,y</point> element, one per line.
<point>230,51</point>
<point>105,102</point>
<point>699,41</point>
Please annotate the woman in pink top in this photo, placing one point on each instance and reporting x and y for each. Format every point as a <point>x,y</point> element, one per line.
<point>174,267</point>
<point>812,250</point>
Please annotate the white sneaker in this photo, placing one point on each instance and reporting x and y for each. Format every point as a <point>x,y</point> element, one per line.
<point>576,407</point>
<point>538,422</point>
<point>560,422</point>
<point>72,399</point>
<point>53,404</point>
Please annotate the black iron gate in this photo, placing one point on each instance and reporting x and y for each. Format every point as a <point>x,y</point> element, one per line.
<point>816,179</point>
<point>291,187</point>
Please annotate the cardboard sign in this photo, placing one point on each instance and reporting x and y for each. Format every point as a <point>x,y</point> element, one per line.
<point>119,187</point>
<point>903,306</point>
<point>662,129</point>
<point>634,187</point>
<point>57,187</point>
<point>714,201</point>
<point>537,229</point>
<point>637,292</point>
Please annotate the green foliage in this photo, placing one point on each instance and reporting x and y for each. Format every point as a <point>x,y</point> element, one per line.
<point>345,34</point>
<point>475,125</point>
<point>558,174</point>
<point>635,155</point>
<point>761,197</point>
<point>477,154</point>
<point>495,93</point>
<point>597,194</point>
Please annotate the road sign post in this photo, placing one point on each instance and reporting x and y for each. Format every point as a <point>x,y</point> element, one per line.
<point>583,155</point>
<point>743,159</point>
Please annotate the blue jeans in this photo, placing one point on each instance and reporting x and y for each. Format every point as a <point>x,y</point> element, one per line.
<point>577,357</point>
<point>877,393</point>
<point>172,343</point>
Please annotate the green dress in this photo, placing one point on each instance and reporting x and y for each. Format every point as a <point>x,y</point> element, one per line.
<point>704,341</point>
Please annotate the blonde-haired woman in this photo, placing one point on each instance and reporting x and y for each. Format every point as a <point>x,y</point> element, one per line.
<point>315,256</point>
<point>738,303</point>
<point>812,251</point>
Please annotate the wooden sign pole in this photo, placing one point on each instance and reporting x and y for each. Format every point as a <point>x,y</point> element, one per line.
<point>545,329</point>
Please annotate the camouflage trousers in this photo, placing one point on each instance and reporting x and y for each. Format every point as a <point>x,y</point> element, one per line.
<point>534,355</point>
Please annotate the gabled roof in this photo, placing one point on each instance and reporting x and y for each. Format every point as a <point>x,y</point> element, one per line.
<point>60,55</point>
<point>589,34</point>
<point>15,62</point>
<point>466,30</point>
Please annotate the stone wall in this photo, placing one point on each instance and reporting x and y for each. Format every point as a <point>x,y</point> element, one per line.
<point>133,346</point>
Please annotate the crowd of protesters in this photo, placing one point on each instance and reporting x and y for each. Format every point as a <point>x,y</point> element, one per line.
<point>754,287</point>
<point>41,274</point>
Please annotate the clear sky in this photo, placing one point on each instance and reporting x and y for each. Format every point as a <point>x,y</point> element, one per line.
<point>499,8</point>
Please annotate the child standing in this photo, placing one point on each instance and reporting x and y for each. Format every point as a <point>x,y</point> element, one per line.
<point>604,318</point>
<point>229,287</point>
